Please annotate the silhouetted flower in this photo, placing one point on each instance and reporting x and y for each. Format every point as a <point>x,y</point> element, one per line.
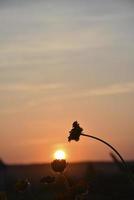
<point>47,179</point>
<point>75,132</point>
<point>22,185</point>
<point>59,165</point>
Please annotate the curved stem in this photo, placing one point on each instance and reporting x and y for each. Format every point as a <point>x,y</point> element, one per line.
<point>109,145</point>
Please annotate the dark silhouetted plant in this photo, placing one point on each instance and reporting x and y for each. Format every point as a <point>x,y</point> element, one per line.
<point>77,131</point>
<point>22,185</point>
<point>47,180</point>
<point>59,165</point>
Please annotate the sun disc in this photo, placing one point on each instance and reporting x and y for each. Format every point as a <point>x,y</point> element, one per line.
<point>59,155</point>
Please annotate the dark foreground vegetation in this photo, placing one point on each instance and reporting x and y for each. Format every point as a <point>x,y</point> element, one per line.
<point>89,180</point>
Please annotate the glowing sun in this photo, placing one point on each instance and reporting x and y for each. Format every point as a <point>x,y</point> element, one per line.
<point>59,155</point>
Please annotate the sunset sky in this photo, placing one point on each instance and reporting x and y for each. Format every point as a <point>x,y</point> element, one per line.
<point>62,61</point>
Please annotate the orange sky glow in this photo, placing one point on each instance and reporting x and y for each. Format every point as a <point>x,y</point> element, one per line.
<point>62,61</point>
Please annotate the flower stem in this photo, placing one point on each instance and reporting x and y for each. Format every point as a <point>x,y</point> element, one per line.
<point>130,175</point>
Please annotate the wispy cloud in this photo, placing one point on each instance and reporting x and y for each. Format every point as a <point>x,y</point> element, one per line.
<point>114,89</point>
<point>29,87</point>
<point>108,90</point>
